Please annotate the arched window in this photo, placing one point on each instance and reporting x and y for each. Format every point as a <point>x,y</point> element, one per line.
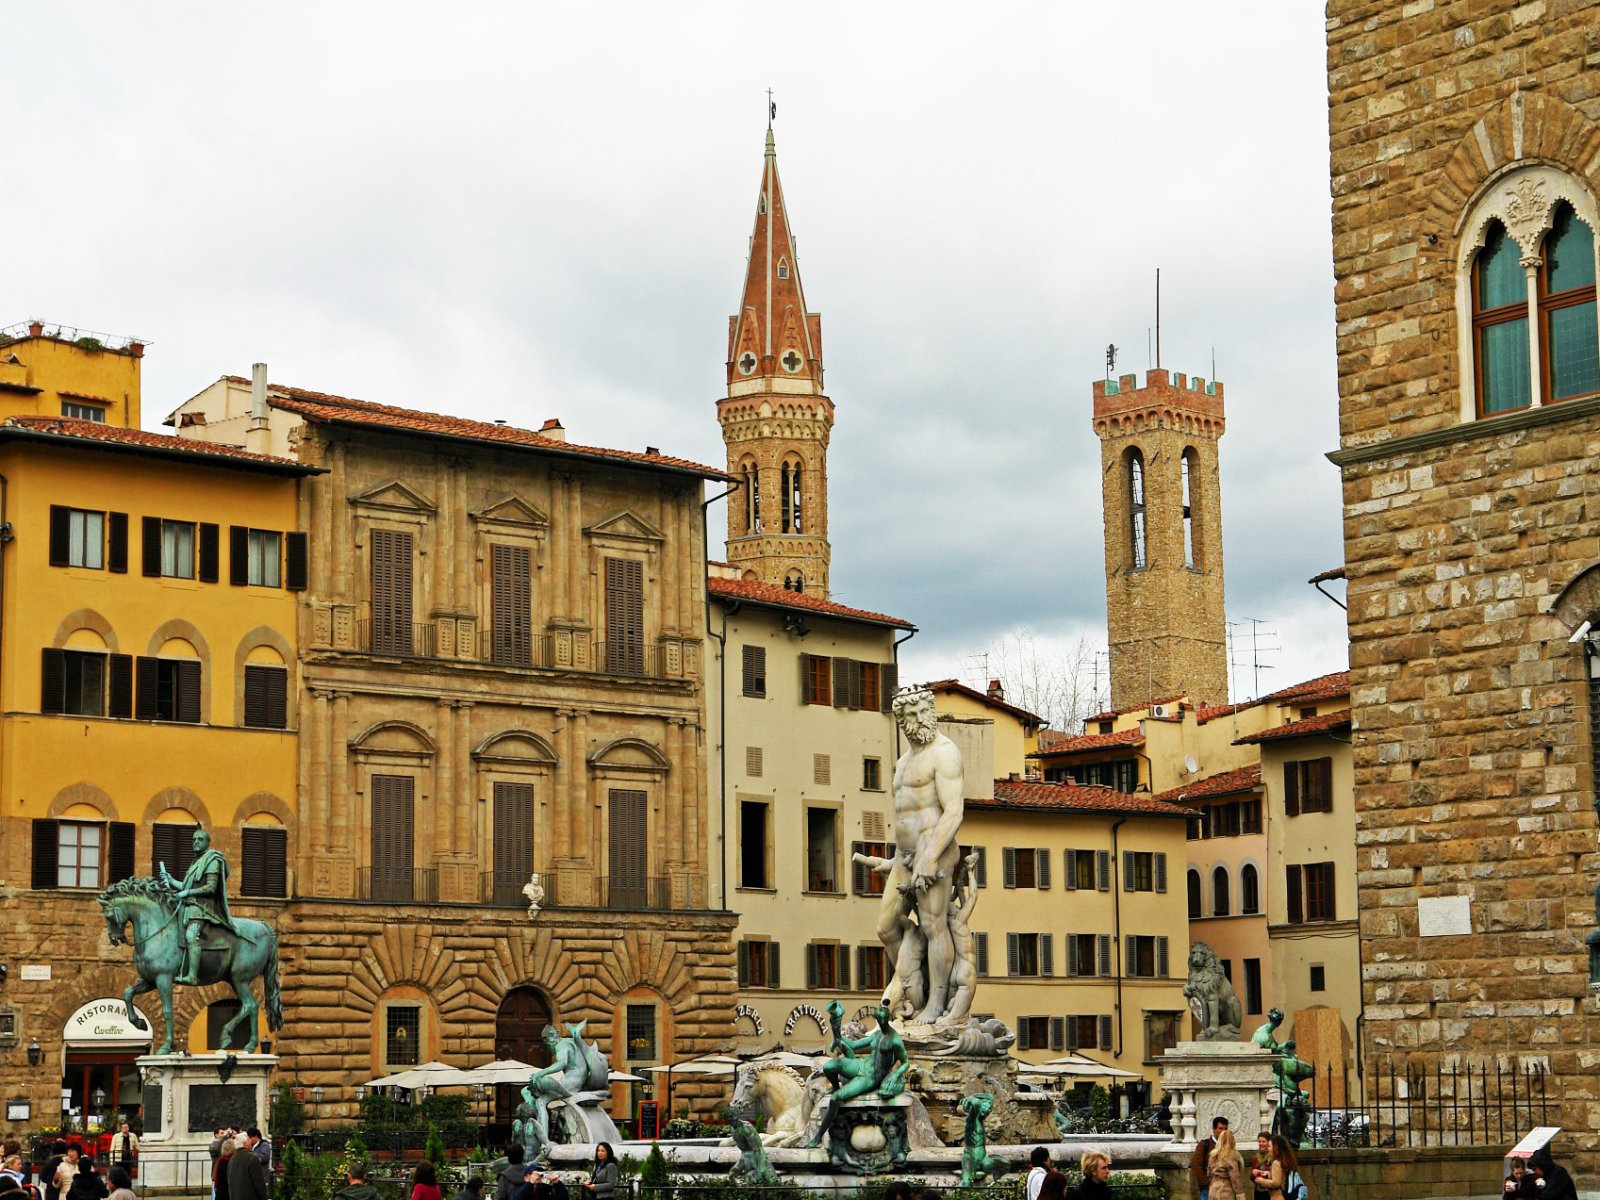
<point>1196,908</point>
<point>787,499</point>
<point>1221,901</point>
<point>1191,555</point>
<point>1249,890</point>
<point>795,581</point>
<point>1136,529</point>
<point>1569,342</point>
<point>752,498</point>
<point>1500,325</point>
<point>793,512</point>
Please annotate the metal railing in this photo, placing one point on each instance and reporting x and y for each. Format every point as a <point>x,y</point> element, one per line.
<point>502,651</point>
<point>400,885</point>
<point>1462,1103</point>
<point>651,893</point>
<point>629,658</point>
<point>414,639</point>
<point>504,891</point>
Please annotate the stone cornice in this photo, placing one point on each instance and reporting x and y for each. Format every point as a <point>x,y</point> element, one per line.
<point>1487,427</point>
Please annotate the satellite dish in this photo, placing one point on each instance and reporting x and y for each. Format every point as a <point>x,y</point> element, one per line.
<point>1189,764</point>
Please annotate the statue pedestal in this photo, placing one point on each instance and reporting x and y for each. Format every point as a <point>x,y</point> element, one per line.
<point>869,1136</point>
<point>187,1097</point>
<point>1218,1079</point>
<point>941,1080</point>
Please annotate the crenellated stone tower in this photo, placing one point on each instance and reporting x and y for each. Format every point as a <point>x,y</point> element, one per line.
<point>775,419</point>
<point>1163,531</point>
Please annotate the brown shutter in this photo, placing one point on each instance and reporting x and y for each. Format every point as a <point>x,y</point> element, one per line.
<point>277,697</point>
<point>811,964</point>
<point>511,594</point>
<point>1292,892</point>
<point>46,848</point>
<point>238,555</point>
<point>120,703</point>
<point>888,685</point>
<point>805,678</point>
<point>255,697</point>
<point>1291,789</point>
<point>165,842</point>
<point>52,681</point>
<point>60,536</point>
<point>742,961</point>
<point>117,542</point>
<point>294,561</point>
<point>853,669</point>
<point>628,849</point>
<point>393,803</point>
<point>841,682</point>
<point>860,873</point>
<point>625,616</point>
<point>772,966</point>
<point>754,664</point>
<point>189,692</point>
<point>842,967</point>
<point>1322,774</point>
<point>210,553</point>
<point>150,545</point>
<point>119,860</point>
<point>147,680</point>
<point>264,861</point>
<point>513,838</point>
<point>391,590</point>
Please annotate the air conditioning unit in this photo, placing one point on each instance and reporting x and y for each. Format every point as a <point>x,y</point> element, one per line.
<point>1160,710</point>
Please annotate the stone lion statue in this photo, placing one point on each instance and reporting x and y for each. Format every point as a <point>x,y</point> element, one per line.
<point>1212,1000</point>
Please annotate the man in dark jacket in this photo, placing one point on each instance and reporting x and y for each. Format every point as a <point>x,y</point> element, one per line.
<point>1199,1161</point>
<point>358,1188</point>
<point>1558,1184</point>
<point>247,1178</point>
<point>510,1178</point>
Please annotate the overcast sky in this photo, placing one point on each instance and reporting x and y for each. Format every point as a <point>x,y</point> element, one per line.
<point>520,211</point>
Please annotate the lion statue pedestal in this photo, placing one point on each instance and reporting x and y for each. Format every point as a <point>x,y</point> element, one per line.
<point>1218,1079</point>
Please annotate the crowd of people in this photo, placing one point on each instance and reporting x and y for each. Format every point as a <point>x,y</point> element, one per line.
<point>1045,1182</point>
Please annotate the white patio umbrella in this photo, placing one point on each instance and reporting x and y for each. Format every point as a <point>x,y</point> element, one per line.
<point>623,1077</point>
<point>429,1074</point>
<point>788,1058</point>
<point>710,1064</point>
<point>501,1070</point>
<point>1074,1065</point>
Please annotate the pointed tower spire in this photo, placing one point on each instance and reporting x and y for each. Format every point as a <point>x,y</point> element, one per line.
<point>778,522</point>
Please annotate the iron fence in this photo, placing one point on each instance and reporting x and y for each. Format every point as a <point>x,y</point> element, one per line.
<point>1443,1103</point>
<point>400,885</point>
<point>516,649</point>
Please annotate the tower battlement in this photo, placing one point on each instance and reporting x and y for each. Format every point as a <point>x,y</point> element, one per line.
<point>1170,398</point>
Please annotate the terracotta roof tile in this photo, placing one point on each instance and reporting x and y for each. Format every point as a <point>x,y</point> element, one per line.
<point>117,436</point>
<point>1309,727</point>
<point>1092,741</point>
<point>766,593</point>
<point>961,689</point>
<point>1128,708</point>
<point>1312,691</point>
<point>1224,783</point>
<point>330,409</point>
<point>1071,797</point>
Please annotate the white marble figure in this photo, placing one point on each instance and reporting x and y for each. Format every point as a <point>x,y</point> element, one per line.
<point>534,891</point>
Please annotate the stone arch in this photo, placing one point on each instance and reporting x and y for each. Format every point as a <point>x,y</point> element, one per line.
<point>176,797</point>
<point>516,746</point>
<point>265,802</point>
<point>630,752</point>
<point>111,979</point>
<point>179,628</point>
<point>265,635</point>
<point>1528,128</point>
<point>83,793</point>
<point>1579,601</point>
<point>396,736</point>
<point>85,618</point>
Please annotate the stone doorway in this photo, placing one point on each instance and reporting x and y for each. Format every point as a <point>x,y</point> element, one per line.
<point>518,1033</point>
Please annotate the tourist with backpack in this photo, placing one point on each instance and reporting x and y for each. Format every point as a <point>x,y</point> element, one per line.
<point>1281,1177</point>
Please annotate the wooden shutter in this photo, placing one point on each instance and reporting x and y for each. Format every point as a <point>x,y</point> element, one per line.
<point>120,690</point>
<point>266,697</point>
<point>841,957</point>
<point>46,849</point>
<point>629,848</point>
<point>860,873</point>
<point>981,942</point>
<point>265,860</point>
<point>511,604</point>
<point>841,682</point>
<point>1102,870</point>
<point>1127,870</point>
<point>60,536</point>
<point>119,855</point>
<point>1058,1033</point>
<point>1041,869</point>
<point>117,542</point>
<point>150,545</point>
<point>513,838</point>
<point>854,671</point>
<point>1105,1032</point>
<point>52,681</point>
<point>1011,954</point>
<point>210,553</point>
<point>981,867</point>
<point>1293,892</point>
<point>238,555</point>
<point>888,685</point>
<point>772,965</point>
<point>625,616</point>
<point>1291,789</point>
<point>754,663</point>
<point>294,561</point>
<point>1008,860</point>
<point>1160,858</point>
<point>1072,1032</point>
<point>189,691</point>
<point>255,697</point>
<point>393,802</point>
<point>1074,967</point>
<point>805,678</point>
<point>742,961</point>
<point>166,843</point>
<point>811,964</point>
<point>1069,865</point>
<point>1322,783</point>
<point>391,590</point>
<point>1162,962</point>
<point>1047,954</point>
<point>147,681</point>
<point>1104,948</point>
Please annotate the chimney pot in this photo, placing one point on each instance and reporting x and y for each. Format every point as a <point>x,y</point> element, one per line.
<point>996,692</point>
<point>651,450</point>
<point>554,430</point>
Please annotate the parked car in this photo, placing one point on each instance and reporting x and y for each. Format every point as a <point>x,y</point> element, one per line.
<point>1338,1127</point>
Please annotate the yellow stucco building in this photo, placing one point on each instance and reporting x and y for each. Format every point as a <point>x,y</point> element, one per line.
<point>1015,730</point>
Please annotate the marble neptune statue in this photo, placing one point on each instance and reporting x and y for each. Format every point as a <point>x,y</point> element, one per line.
<point>921,920</point>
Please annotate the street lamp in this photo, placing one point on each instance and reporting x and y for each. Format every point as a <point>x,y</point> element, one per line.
<point>316,1104</point>
<point>35,1053</point>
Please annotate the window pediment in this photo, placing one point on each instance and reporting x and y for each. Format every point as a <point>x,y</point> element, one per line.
<point>625,526</point>
<point>630,754</point>
<point>1525,202</point>
<point>513,513</point>
<point>394,497</point>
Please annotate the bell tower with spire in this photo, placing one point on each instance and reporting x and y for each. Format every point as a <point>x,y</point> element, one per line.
<point>776,419</point>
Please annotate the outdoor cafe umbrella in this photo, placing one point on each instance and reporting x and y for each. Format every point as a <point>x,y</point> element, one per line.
<point>711,1066</point>
<point>502,1070</point>
<point>429,1074</point>
<point>1074,1065</point>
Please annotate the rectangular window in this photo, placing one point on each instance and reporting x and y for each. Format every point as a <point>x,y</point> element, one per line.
<point>1083,953</point>
<point>1252,986</point>
<point>76,411</point>
<point>1029,955</point>
<point>1080,865</point>
<point>641,1023</point>
<point>754,668</point>
<point>1161,1032</point>
<point>1143,871</point>
<point>1319,892</point>
<point>85,683</point>
<point>391,591</point>
<point>77,538</point>
<point>264,859</point>
<point>402,1035</point>
<point>822,850</point>
<point>1147,956</point>
<point>816,679</point>
<point>266,697</point>
<point>510,605</point>
<point>625,616</point>
<point>864,880</point>
<point>827,966</point>
<point>171,846</point>
<point>758,963</point>
<point>393,816</point>
<point>871,975</point>
<point>867,695</point>
<point>177,549</point>
<point>753,844</point>
<point>79,850</point>
<point>1088,1031</point>
<point>1308,786</point>
<point>872,774</point>
<point>513,840</point>
<point>1319,979</point>
<point>1033,1033</point>
<point>81,854</point>
<point>168,689</point>
<point>265,558</point>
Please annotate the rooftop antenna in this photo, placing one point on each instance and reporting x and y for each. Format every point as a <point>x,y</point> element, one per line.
<point>1111,361</point>
<point>1213,364</point>
<point>1158,316</point>
<point>1149,355</point>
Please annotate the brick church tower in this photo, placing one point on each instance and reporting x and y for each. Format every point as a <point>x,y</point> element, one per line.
<point>1163,531</point>
<point>775,419</point>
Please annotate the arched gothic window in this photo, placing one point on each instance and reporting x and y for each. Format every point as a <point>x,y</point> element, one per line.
<point>1191,553</point>
<point>1249,889</point>
<point>1138,554</point>
<point>1196,908</point>
<point>793,512</point>
<point>786,496</point>
<point>752,498</point>
<point>1221,901</point>
<point>794,581</point>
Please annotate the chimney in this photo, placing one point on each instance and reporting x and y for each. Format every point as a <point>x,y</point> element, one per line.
<point>554,430</point>
<point>258,438</point>
<point>996,692</point>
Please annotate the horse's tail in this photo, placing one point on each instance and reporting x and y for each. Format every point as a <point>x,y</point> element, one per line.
<point>274,992</point>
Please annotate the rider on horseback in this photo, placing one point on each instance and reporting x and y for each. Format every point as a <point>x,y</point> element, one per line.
<point>202,900</point>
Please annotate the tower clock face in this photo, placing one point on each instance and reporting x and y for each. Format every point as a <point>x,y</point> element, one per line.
<point>747,363</point>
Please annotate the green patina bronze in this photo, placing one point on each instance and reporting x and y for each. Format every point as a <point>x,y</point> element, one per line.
<point>183,933</point>
<point>876,1063</point>
<point>752,1169</point>
<point>977,1164</point>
